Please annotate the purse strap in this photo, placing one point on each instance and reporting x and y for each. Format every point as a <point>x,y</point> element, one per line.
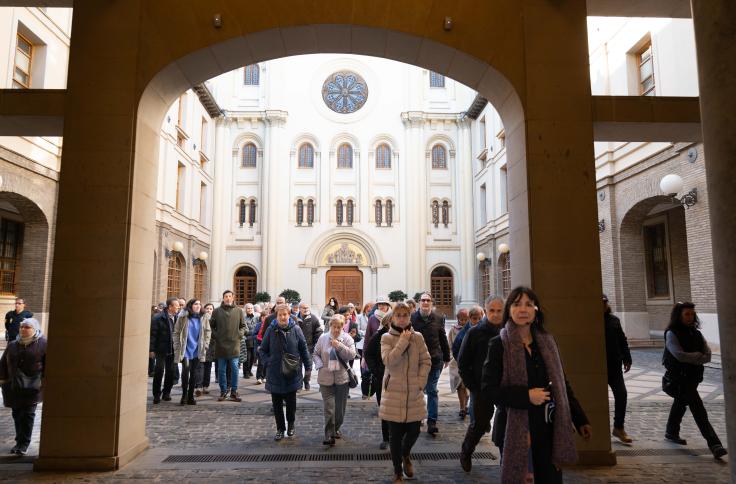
<point>339,358</point>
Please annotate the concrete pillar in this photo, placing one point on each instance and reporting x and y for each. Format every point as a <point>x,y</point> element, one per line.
<point>715,41</point>
<point>222,212</point>
<point>466,231</point>
<point>269,253</point>
<point>416,190</point>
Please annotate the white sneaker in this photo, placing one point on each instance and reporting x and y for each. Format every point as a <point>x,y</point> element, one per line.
<point>259,381</point>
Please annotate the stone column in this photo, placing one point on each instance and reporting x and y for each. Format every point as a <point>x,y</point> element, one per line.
<point>269,252</point>
<point>415,200</point>
<point>466,231</point>
<point>715,41</point>
<point>222,213</point>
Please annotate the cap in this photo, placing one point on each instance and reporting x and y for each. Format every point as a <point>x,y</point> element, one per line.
<point>382,300</point>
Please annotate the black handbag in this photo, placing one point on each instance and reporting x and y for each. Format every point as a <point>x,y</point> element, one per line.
<point>672,384</point>
<point>25,385</point>
<point>289,363</point>
<point>352,377</point>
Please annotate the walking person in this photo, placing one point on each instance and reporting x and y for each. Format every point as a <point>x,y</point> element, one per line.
<point>13,319</point>
<point>312,328</point>
<point>456,383</point>
<point>617,356</point>
<point>22,368</point>
<point>408,364</point>
<point>228,328</point>
<point>284,352</point>
<point>523,375</point>
<point>685,353</point>
<point>330,310</point>
<point>162,349</point>
<point>258,339</point>
<point>330,355</point>
<point>191,340</point>
<point>432,327</point>
<point>251,320</point>
<point>204,371</point>
<point>374,362</point>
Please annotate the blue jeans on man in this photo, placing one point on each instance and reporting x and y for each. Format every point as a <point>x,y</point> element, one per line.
<point>222,364</point>
<point>431,391</point>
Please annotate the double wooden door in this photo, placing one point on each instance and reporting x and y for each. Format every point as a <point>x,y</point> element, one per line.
<point>344,284</point>
<point>443,292</point>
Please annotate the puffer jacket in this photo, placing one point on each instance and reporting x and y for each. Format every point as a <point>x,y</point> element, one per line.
<point>407,366</point>
<point>181,330</point>
<point>276,341</point>
<point>321,358</point>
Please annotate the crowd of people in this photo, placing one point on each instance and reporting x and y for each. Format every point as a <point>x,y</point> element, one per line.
<point>502,362</point>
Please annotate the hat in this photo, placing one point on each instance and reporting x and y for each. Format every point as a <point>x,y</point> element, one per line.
<point>382,300</point>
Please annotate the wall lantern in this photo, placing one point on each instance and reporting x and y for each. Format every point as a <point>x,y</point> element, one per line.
<point>481,257</point>
<point>672,185</point>
<point>503,248</point>
<point>199,259</point>
<point>174,246</point>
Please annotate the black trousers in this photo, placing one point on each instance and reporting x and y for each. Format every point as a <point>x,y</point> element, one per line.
<point>691,398</point>
<point>278,400</point>
<point>164,364</point>
<point>483,412</point>
<point>248,363</point>
<point>189,369</point>
<point>403,438</point>
<point>385,426</point>
<point>204,373</point>
<point>23,417</point>
<point>151,366</point>
<point>618,387</point>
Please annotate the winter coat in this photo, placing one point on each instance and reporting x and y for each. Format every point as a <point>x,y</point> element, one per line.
<point>372,356</point>
<point>327,314</point>
<point>321,358</point>
<point>617,347</point>
<point>31,360</point>
<point>250,328</point>
<point>312,329</point>
<point>434,335</point>
<point>181,331</point>
<point>473,353</point>
<point>228,327</point>
<point>407,366</point>
<point>12,323</point>
<point>271,351</point>
<point>162,333</point>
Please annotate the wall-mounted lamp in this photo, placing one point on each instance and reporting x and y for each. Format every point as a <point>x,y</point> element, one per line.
<point>480,256</point>
<point>447,25</point>
<point>503,248</point>
<point>672,185</point>
<point>601,225</point>
<point>217,20</point>
<point>172,247</point>
<point>199,258</point>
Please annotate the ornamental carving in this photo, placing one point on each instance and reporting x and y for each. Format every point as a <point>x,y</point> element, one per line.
<point>345,255</point>
<point>345,92</point>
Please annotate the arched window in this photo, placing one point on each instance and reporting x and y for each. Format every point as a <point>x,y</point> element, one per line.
<point>379,212</point>
<point>445,213</point>
<point>200,276</point>
<point>485,280</point>
<point>383,156</point>
<point>436,213</point>
<point>241,215</point>
<point>299,211</point>
<point>310,212</point>
<point>389,212</point>
<point>345,156</point>
<point>306,156</point>
<point>439,157</point>
<point>176,267</point>
<point>338,212</point>
<point>248,159</point>
<point>252,75</point>
<point>252,217</point>
<point>350,212</point>
<point>436,80</point>
<point>504,267</point>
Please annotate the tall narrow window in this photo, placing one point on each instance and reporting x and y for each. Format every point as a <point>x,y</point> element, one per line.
<point>299,211</point>
<point>241,214</point>
<point>182,115</point>
<point>248,159</point>
<point>11,243</point>
<point>657,266</point>
<point>439,157</point>
<point>350,212</point>
<point>200,275</point>
<point>485,281</point>
<point>252,75</point>
<point>203,136</point>
<point>176,266</point>
<point>310,212</point>
<point>181,172</point>
<point>483,209</point>
<point>504,194</point>
<point>389,212</point>
<point>436,213</point>
<point>306,156</point>
<point>345,156</point>
<point>23,61</point>
<point>436,80</point>
<point>646,71</point>
<point>383,156</point>
<point>379,213</point>
<point>202,202</point>
<point>504,265</point>
<point>482,128</point>
<point>445,213</point>
<point>252,216</point>
<point>338,212</point>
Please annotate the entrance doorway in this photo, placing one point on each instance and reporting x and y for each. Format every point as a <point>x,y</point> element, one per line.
<point>442,291</point>
<point>344,284</point>
<point>244,286</point>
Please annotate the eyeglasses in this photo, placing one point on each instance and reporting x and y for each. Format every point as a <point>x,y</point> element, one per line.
<point>425,300</point>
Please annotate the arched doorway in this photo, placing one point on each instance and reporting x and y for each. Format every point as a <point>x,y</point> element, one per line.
<point>245,283</point>
<point>442,289</point>
<point>344,284</point>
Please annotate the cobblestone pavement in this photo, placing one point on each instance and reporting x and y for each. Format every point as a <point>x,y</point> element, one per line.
<point>246,429</point>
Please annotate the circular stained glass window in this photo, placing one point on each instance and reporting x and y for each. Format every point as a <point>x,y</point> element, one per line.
<point>345,92</point>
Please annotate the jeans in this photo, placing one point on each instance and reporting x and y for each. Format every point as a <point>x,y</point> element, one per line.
<point>204,373</point>
<point>189,370</point>
<point>164,364</point>
<point>431,391</point>
<point>278,399</point>
<point>335,399</point>
<point>222,364</point>
<point>403,437</point>
<point>691,398</point>
<point>23,417</point>
<point>616,382</point>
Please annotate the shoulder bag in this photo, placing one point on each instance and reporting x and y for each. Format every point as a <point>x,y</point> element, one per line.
<point>289,363</point>
<point>352,377</point>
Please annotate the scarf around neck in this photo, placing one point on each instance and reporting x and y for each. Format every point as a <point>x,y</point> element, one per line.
<point>514,466</point>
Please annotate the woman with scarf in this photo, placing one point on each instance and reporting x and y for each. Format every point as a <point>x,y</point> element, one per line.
<point>330,310</point>
<point>191,340</point>
<point>284,336</point>
<point>523,376</point>
<point>407,364</point>
<point>22,368</point>
<point>332,349</point>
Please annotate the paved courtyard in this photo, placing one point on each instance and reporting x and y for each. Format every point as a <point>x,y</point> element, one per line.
<point>233,442</point>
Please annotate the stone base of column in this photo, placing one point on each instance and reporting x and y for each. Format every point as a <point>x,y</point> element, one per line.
<point>596,458</point>
<point>96,464</point>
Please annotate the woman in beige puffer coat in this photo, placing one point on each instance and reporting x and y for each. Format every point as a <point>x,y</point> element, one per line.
<point>407,362</point>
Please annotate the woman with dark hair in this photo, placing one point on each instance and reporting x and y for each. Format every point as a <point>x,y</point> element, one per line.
<point>258,333</point>
<point>191,341</point>
<point>524,378</point>
<point>330,310</point>
<point>685,353</point>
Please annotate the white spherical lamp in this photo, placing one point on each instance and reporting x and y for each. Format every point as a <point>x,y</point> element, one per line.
<point>671,184</point>
<point>203,255</point>
<point>178,246</point>
<point>503,248</point>
<point>481,257</point>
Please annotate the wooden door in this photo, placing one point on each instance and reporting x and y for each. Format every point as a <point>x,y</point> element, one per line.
<point>344,284</point>
<point>442,291</point>
<point>244,286</point>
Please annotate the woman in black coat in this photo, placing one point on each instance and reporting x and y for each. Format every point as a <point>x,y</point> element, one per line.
<point>21,376</point>
<point>685,353</point>
<point>372,356</point>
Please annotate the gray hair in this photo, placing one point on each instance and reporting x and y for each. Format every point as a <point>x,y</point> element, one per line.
<point>475,311</point>
<point>492,298</point>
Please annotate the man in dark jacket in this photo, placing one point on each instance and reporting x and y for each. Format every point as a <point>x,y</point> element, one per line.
<point>432,327</point>
<point>472,355</point>
<point>312,328</point>
<point>162,348</point>
<point>617,355</point>
<point>13,319</point>
<point>228,328</point>
<point>251,320</point>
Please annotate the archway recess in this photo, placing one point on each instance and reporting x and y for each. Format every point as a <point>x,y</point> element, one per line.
<point>534,71</point>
